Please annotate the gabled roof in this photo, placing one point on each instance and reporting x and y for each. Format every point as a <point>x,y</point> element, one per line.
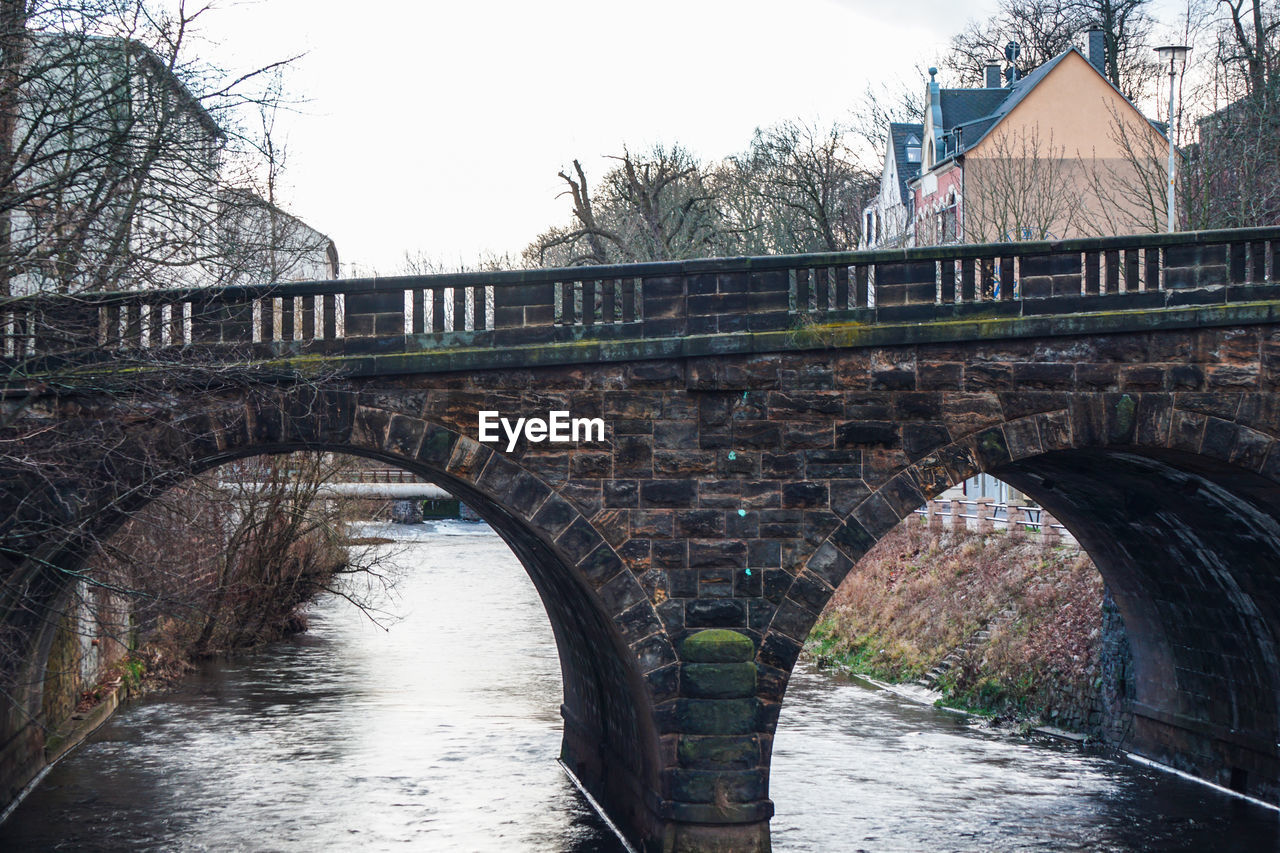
<point>1013,96</point>
<point>963,107</point>
<point>89,48</point>
<point>899,133</point>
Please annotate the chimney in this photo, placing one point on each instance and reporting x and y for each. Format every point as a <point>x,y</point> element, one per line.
<point>993,73</point>
<point>1098,50</point>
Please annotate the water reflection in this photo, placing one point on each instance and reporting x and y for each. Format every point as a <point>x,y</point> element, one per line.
<point>857,768</point>
<point>441,734</point>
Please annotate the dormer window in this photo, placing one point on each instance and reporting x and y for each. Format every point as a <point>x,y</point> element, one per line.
<point>913,150</point>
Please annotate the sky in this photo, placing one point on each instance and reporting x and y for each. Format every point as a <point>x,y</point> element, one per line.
<point>439,127</point>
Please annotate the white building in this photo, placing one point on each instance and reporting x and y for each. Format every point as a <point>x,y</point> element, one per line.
<point>116,173</point>
<point>887,221</point>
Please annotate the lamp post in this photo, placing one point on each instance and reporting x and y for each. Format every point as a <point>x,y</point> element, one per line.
<point>1176,54</point>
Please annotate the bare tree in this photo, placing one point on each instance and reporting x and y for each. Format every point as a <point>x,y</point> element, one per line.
<point>1042,29</point>
<point>884,102</point>
<point>116,149</point>
<point>1248,41</point>
<point>655,206</point>
<point>1045,28</point>
<point>798,188</point>
<point>1024,187</point>
<point>1127,193</point>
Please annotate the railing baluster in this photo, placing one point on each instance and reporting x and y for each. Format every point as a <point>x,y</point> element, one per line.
<point>110,333</point>
<point>1237,266</point>
<point>155,326</point>
<point>630,301</point>
<point>608,289</point>
<point>418,307</point>
<point>308,318</point>
<point>1092,272</point>
<point>1131,269</point>
<point>267,319</point>
<point>588,311</point>
<point>437,309</point>
<point>478,312</point>
<point>842,288</point>
<point>947,282</point>
<point>1111,271</point>
<point>459,309</point>
<point>286,318</point>
<point>329,314</point>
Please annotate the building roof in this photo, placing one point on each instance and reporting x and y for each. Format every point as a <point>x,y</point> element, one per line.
<point>964,108</point>
<point>899,133</point>
<point>92,48</point>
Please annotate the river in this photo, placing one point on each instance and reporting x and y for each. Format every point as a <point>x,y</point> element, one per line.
<point>441,733</point>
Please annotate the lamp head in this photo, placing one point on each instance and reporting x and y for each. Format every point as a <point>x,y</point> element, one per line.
<point>1173,53</point>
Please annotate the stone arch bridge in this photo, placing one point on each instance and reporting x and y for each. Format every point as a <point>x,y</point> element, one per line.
<point>767,420</point>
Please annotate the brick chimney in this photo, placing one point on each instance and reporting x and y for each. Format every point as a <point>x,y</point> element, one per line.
<point>993,73</point>
<point>1098,50</point>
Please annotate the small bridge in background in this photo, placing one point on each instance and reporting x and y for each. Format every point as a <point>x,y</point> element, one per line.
<point>768,420</point>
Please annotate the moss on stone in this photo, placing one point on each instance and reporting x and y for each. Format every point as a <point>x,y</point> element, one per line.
<point>713,752</point>
<point>720,680</point>
<point>718,645</point>
<point>717,716</point>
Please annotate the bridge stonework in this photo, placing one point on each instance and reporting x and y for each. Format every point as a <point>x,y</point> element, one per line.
<point>764,429</point>
<point>736,492</point>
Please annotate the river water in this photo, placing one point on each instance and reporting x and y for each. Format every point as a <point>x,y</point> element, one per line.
<point>441,733</point>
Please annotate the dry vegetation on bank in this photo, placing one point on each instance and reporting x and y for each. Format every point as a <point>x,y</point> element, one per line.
<point>227,561</point>
<point>919,594</point>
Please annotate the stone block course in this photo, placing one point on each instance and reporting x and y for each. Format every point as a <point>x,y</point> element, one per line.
<point>733,494</point>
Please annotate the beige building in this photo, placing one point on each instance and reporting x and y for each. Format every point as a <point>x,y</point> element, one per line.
<point>1056,154</point>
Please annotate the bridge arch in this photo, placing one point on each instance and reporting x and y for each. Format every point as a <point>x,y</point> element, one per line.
<point>617,663</point>
<point>1179,510</point>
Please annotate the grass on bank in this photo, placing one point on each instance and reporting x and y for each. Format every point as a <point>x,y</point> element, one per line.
<point>921,593</point>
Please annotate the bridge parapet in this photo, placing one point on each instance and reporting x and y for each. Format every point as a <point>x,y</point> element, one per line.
<point>650,302</point>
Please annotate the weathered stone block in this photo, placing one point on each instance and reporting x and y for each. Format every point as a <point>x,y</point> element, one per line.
<point>716,716</point>
<point>714,752</point>
<point>717,646</point>
<point>719,680</point>
<point>715,613</point>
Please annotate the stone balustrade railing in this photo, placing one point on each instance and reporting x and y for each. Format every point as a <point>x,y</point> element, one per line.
<point>652,301</point>
<point>986,515</point>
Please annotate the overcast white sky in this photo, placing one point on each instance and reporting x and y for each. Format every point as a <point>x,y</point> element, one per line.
<point>439,127</point>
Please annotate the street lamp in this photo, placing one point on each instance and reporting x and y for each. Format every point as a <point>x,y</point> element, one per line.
<point>1176,56</point>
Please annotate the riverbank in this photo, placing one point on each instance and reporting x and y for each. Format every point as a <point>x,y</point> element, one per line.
<point>366,741</point>
<point>1004,624</point>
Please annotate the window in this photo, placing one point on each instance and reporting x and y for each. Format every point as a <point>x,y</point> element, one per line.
<point>948,226</point>
<point>913,150</point>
